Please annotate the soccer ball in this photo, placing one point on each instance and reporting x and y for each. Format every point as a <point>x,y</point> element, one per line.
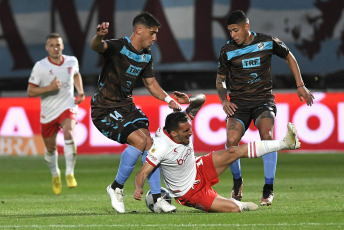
<point>149,198</point>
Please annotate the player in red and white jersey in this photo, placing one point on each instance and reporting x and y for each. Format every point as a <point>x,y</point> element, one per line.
<point>53,79</point>
<point>189,178</point>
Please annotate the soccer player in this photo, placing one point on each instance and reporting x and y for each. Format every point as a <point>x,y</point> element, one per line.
<point>53,79</point>
<point>246,58</point>
<point>113,111</point>
<point>189,178</point>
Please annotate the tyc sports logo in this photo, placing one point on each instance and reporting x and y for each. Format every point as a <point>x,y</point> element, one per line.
<point>133,70</point>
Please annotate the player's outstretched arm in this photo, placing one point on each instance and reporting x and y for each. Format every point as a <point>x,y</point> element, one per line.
<point>97,43</point>
<point>140,180</point>
<point>154,88</point>
<point>196,101</point>
<point>302,91</point>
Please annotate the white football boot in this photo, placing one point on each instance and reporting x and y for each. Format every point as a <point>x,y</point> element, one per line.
<point>162,205</point>
<point>291,140</point>
<point>116,197</point>
<point>249,206</point>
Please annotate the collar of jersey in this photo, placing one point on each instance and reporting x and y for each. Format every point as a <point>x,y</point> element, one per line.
<point>167,134</point>
<point>128,39</point>
<point>49,59</point>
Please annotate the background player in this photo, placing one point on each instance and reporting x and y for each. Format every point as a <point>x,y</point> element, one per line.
<point>246,58</point>
<point>53,78</point>
<point>189,179</point>
<point>113,110</point>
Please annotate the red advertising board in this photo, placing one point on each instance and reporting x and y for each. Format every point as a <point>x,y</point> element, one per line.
<point>320,127</point>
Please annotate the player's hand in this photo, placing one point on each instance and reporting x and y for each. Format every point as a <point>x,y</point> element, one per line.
<point>303,92</point>
<point>80,98</point>
<point>174,105</point>
<point>55,84</point>
<point>229,107</point>
<point>181,98</point>
<point>103,29</point>
<point>138,194</point>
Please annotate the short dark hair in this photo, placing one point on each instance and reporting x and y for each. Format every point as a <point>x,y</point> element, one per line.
<point>146,19</point>
<point>53,35</point>
<point>173,120</point>
<point>237,17</point>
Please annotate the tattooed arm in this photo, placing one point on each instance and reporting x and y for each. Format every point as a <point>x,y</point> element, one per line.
<point>196,101</point>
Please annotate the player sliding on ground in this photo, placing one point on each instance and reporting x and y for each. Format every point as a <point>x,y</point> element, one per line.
<point>189,178</point>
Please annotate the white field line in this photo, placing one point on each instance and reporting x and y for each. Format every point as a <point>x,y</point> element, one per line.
<point>169,225</point>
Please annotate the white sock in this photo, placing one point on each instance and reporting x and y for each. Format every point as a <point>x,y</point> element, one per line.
<point>51,160</point>
<point>260,148</point>
<point>70,155</point>
<point>238,203</point>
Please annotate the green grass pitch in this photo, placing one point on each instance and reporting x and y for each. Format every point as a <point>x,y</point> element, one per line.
<point>309,194</point>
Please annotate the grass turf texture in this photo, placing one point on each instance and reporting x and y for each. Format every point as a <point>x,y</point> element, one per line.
<point>308,195</point>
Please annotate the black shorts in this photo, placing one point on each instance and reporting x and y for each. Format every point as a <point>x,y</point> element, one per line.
<point>248,111</point>
<point>118,123</point>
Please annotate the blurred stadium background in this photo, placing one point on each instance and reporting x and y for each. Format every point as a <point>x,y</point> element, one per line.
<point>185,59</point>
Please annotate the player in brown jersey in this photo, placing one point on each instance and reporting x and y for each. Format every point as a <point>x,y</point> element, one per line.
<point>112,109</point>
<point>246,59</point>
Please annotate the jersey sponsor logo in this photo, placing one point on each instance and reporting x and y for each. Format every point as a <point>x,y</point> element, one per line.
<point>255,78</point>
<point>182,160</point>
<point>127,88</point>
<point>252,62</point>
<point>133,70</point>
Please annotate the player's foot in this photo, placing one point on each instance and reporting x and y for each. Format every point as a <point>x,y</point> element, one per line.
<point>57,185</point>
<point>267,197</point>
<point>116,197</point>
<point>71,182</point>
<point>162,205</point>
<point>249,206</point>
<point>237,189</point>
<point>291,140</point>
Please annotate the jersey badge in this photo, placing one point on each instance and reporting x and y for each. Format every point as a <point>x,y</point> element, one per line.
<point>152,150</point>
<point>260,45</point>
<point>70,69</point>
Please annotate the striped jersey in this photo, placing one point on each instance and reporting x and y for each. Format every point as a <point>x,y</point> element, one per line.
<point>249,66</point>
<point>56,102</point>
<point>123,65</point>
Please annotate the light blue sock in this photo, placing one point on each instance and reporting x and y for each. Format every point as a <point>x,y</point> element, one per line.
<point>127,164</point>
<point>235,168</point>
<point>153,178</point>
<point>270,163</point>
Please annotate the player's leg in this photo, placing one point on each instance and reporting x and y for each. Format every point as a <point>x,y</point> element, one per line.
<point>51,158</point>
<point>70,151</point>
<point>223,158</point>
<point>118,126</point>
<point>129,157</point>
<point>49,133</point>
<point>137,141</point>
<point>265,125</point>
<point>221,204</point>
<point>235,130</point>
